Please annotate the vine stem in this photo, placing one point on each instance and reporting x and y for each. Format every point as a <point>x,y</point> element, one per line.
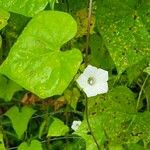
<point>86,62</point>
<point>88,30</point>
<point>138,100</point>
<point>88,122</point>
<point>141,91</point>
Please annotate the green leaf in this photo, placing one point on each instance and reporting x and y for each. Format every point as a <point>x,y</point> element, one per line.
<point>4,16</point>
<point>8,88</point>
<point>2,147</point>
<point>39,65</point>
<point>97,130</point>
<point>118,117</point>
<point>20,119</point>
<point>25,7</point>
<point>147,70</point>
<point>35,144</point>
<point>123,30</point>
<point>136,70</point>
<point>72,97</point>
<point>99,54</point>
<point>57,128</point>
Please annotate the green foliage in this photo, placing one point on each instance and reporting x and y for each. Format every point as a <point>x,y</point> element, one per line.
<point>39,65</point>
<point>24,7</point>
<point>50,70</point>
<point>57,128</point>
<point>147,70</point>
<point>7,88</point>
<point>122,25</point>
<point>33,145</point>
<point>4,16</point>
<point>2,147</point>
<point>20,119</point>
<point>97,130</point>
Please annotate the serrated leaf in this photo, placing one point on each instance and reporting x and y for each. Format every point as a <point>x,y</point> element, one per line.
<point>2,147</point>
<point>20,119</point>
<point>124,32</point>
<point>36,62</point>
<point>57,128</point>
<point>8,88</point>
<point>25,7</point>
<point>35,144</point>
<point>4,16</point>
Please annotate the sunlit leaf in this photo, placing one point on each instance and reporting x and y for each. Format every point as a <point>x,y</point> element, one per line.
<point>36,62</point>
<point>2,147</point>
<point>8,88</point>
<point>20,119</point>
<point>57,128</point>
<point>4,16</point>
<point>147,70</point>
<point>35,144</point>
<point>24,7</point>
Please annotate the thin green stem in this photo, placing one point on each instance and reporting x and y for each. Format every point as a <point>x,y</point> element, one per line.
<point>140,93</point>
<point>88,123</point>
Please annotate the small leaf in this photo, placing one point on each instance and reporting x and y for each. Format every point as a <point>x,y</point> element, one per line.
<point>2,147</point>
<point>97,130</point>
<point>36,62</point>
<point>35,144</point>
<point>72,97</point>
<point>20,119</point>
<point>147,70</point>
<point>57,128</point>
<point>8,88</point>
<point>4,16</point>
<point>25,7</point>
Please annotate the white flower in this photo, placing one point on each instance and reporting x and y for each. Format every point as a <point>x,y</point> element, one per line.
<point>93,81</point>
<point>75,125</point>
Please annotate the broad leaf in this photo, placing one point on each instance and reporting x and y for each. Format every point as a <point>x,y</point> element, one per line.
<point>122,25</point>
<point>35,144</point>
<point>118,118</point>
<point>20,119</point>
<point>24,7</point>
<point>7,88</point>
<point>4,16</point>
<point>36,62</point>
<point>57,128</point>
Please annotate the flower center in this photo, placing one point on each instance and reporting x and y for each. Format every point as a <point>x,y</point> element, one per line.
<point>91,81</point>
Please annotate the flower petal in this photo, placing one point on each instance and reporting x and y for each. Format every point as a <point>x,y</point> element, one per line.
<point>82,81</point>
<point>102,75</point>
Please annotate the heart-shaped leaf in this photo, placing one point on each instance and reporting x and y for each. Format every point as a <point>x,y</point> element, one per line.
<point>24,7</point>
<point>35,144</point>
<point>36,62</point>
<point>20,119</point>
<point>124,27</point>
<point>57,128</point>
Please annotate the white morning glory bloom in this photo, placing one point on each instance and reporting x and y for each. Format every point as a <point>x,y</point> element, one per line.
<point>75,125</point>
<point>93,81</point>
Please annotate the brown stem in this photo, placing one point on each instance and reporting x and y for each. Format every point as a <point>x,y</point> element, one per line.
<point>88,30</point>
